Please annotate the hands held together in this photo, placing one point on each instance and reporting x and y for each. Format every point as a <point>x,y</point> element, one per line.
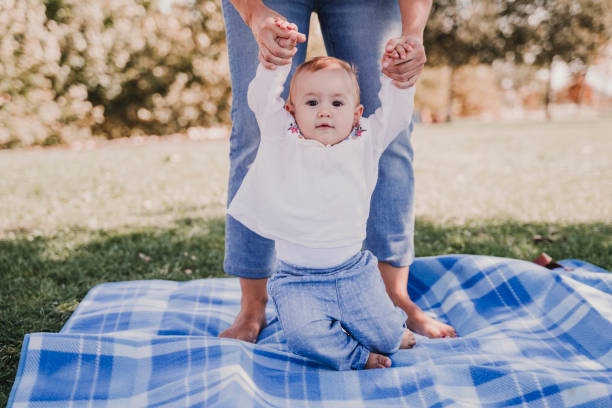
<point>403,61</point>
<point>277,38</point>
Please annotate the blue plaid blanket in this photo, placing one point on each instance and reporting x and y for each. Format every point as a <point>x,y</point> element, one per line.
<point>528,336</point>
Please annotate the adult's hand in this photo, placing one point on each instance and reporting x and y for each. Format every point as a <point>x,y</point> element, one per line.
<point>277,39</point>
<point>403,60</point>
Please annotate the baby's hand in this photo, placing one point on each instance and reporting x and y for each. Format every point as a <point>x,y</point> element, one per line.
<point>403,61</point>
<point>399,51</point>
<point>396,51</point>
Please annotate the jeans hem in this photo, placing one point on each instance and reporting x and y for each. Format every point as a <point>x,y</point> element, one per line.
<point>246,272</point>
<point>361,361</point>
<point>396,261</point>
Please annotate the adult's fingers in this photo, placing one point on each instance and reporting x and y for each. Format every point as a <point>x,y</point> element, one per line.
<point>403,67</point>
<point>284,29</point>
<point>403,71</point>
<point>405,85</point>
<point>265,63</point>
<point>270,43</point>
<point>267,32</point>
<point>404,76</point>
<point>269,57</point>
<point>399,66</point>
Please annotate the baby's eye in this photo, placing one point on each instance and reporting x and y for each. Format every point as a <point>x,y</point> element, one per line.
<point>311,102</point>
<point>337,103</point>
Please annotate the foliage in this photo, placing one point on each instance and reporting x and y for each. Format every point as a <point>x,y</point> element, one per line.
<point>71,69</point>
<point>461,32</point>
<point>475,90</point>
<point>538,31</point>
<point>481,31</point>
<point>431,98</point>
<point>118,67</point>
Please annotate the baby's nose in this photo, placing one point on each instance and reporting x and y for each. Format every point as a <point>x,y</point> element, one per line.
<point>324,112</point>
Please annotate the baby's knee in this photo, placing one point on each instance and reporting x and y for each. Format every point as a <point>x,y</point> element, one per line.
<point>303,341</point>
<point>310,344</point>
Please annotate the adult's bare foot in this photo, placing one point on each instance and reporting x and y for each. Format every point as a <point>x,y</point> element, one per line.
<point>376,360</point>
<point>252,316</point>
<point>396,283</point>
<point>423,324</point>
<point>246,326</point>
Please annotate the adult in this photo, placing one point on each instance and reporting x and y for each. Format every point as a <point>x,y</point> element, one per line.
<point>360,32</point>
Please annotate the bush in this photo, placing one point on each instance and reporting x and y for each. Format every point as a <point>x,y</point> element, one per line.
<point>70,69</point>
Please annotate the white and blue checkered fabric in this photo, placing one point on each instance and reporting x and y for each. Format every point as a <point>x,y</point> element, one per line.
<point>528,336</point>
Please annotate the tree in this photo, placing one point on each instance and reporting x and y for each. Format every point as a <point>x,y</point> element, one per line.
<point>538,32</point>
<point>72,68</point>
<point>461,32</point>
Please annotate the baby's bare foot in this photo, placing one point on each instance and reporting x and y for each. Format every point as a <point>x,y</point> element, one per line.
<point>376,360</point>
<point>408,340</point>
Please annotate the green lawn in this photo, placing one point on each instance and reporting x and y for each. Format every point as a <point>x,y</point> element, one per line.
<point>72,219</point>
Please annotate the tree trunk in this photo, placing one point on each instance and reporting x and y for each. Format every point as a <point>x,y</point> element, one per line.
<point>451,95</point>
<point>548,95</point>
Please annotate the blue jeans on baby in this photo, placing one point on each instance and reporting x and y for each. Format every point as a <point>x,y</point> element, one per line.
<point>355,31</point>
<point>336,316</point>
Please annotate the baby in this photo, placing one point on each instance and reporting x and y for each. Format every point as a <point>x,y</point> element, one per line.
<point>309,190</point>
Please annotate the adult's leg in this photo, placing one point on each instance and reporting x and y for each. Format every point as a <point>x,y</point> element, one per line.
<point>248,255</point>
<point>390,228</point>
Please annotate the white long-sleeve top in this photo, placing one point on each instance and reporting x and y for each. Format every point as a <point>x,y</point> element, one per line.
<point>307,195</point>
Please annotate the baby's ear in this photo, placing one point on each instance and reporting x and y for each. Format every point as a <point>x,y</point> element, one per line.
<point>358,113</point>
<point>289,107</point>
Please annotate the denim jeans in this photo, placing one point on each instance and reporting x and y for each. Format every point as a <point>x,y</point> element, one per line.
<point>336,316</point>
<point>355,31</point>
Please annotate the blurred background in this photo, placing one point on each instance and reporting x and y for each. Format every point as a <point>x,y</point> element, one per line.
<point>107,173</point>
<point>75,70</point>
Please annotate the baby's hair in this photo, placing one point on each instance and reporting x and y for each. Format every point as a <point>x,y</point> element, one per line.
<point>318,63</point>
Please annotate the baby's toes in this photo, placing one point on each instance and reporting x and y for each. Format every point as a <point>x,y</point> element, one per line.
<point>383,362</point>
<point>408,340</point>
<point>376,360</point>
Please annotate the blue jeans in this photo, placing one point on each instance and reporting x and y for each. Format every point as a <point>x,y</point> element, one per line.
<point>336,316</point>
<point>355,31</point>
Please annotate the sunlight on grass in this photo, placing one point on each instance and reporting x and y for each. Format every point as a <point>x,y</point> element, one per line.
<point>540,172</point>
<point>42,191</point>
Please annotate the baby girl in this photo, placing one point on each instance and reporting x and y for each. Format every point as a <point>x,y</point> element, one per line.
<point>309,190</point>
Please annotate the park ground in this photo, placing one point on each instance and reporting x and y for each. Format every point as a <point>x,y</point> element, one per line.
<point>73,218</point>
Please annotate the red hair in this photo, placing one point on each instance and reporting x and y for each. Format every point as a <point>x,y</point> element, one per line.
<point>319,63</point>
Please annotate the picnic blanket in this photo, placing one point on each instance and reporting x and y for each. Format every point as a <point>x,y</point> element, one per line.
<point>528,336</point>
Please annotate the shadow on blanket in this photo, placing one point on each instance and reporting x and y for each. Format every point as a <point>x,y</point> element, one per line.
<point>528,335</point>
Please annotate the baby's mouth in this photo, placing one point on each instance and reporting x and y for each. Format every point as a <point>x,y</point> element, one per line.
<point>324,126</point>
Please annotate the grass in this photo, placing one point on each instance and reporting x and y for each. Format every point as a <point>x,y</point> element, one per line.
<point>72,219</point>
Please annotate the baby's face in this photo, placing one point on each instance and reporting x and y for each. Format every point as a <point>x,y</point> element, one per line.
<point>324,104</point>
